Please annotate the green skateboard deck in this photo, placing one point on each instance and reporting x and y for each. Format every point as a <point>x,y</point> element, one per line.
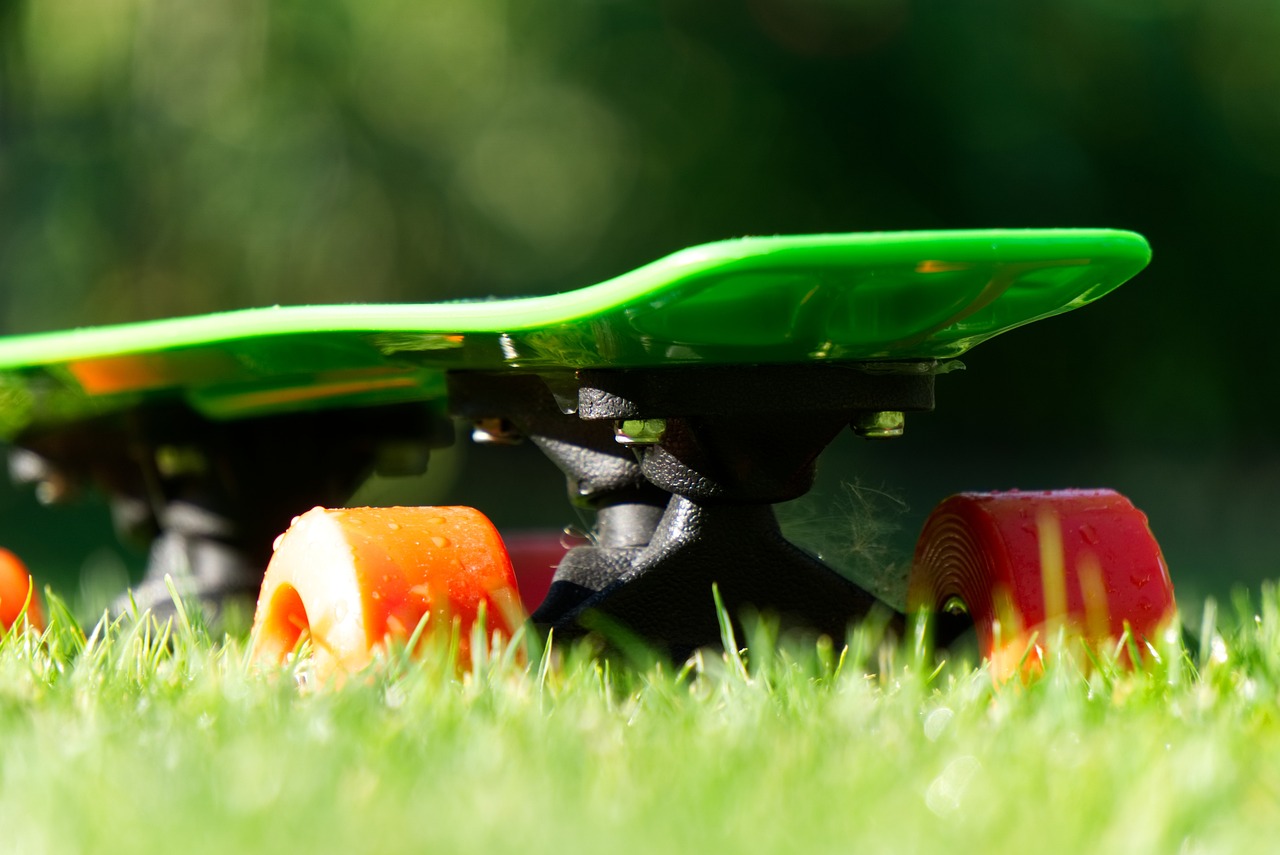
<point>776,300</point>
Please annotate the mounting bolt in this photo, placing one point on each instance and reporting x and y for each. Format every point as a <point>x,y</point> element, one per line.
<point>639,431</point>
<point>885,424</point>
<point>176,461</point>
<point>495,431</point>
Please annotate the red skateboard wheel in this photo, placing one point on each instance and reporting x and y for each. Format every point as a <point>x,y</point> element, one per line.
<point>534,557</point>
<point>351,578</point>
<point>1023,563</point>
<point>15,588</point>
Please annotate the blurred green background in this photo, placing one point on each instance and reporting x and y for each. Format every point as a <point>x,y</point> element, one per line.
<point>162,157</point>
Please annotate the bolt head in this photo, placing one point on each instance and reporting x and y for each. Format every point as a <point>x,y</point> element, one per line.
<point>495,431</point>
<point>178,461</point>
<point>885,424</point>
<point>639,431</point>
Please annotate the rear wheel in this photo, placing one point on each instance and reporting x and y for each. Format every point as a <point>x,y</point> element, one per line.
<point>349,579</point>
<point>1019,565</point>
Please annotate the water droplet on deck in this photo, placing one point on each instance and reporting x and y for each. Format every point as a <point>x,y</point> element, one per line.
<point>394,526</point>
<point>1139,581</point>
<point>439,542</point>
<point>275,544</point>
<point>1089,533</point>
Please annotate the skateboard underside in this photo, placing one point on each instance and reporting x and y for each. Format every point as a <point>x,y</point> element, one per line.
<point>880,298</point>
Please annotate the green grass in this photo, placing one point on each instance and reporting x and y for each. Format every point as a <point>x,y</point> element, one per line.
<point>135,739</point>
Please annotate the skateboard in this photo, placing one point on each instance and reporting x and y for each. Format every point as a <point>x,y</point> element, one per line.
<point>681,401</point>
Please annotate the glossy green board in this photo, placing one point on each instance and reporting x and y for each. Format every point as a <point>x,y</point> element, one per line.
<point>855,297</point>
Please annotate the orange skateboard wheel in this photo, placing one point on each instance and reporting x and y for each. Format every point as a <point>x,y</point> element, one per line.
<point>15,588</point>
<point>1021,564</point>
<point>351,578</point>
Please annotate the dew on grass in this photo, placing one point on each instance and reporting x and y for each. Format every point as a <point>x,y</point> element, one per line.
<point>1218,650</point>
<point>936,722</point>
<point>321,729</point>
<point>946,792</point>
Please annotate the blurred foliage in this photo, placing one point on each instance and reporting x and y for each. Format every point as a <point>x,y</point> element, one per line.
<point>162,157</point>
